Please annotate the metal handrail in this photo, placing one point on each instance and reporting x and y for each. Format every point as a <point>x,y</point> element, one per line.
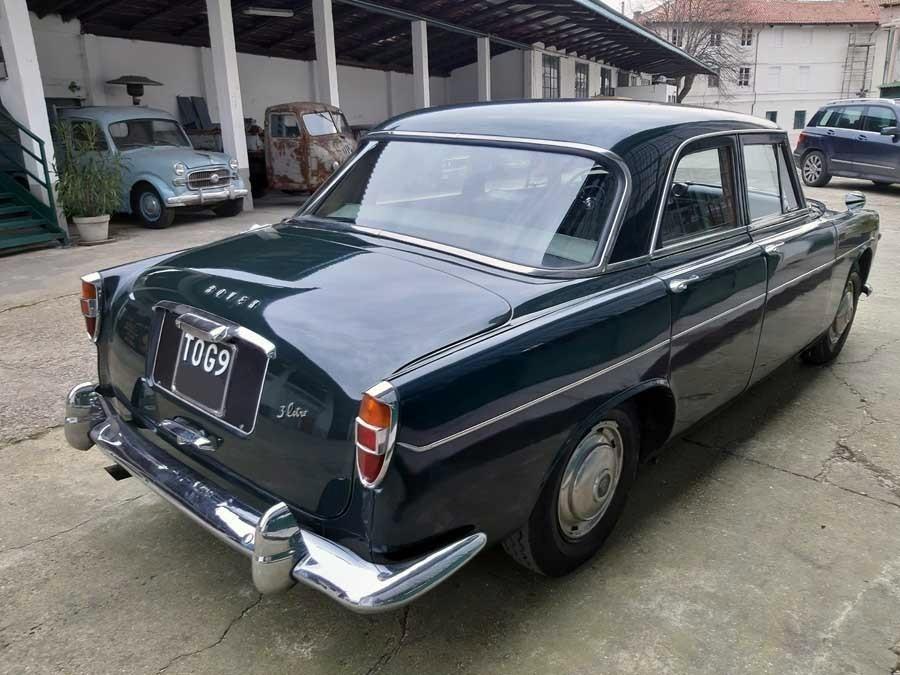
<point>41,159</point>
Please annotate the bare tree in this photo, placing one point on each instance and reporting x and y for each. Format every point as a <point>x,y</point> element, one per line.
<point>708,30</point>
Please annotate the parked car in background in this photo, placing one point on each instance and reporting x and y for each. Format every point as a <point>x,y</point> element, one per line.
<point>162,172</point>
<point>472,334</point>
<point>855,138</point>
<point>305,143</point>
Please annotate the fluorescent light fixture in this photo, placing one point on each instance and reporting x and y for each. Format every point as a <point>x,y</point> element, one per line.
<point>270,11</point>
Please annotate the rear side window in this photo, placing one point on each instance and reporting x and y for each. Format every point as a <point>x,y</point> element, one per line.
<point>878,117</point>
<point>850,117</point>
<point>770,190</point>
<point>817,118</point>
<point>701,198</point>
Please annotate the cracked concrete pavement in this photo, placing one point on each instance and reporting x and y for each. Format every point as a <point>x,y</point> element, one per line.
<point>766,541</point>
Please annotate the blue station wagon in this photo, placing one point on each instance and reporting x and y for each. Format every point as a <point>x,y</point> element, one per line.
<point>471,334</point>
<point>856,138</point>
<point>162,172</point>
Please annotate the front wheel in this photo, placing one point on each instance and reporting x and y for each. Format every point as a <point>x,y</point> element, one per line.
<point>233,207</point>
<point>582,501</point>
<point>814,170</point>
<point>830,344</point>
<point>150,209</point>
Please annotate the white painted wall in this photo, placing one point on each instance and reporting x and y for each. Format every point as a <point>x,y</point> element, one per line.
<point>86,62</point>
<point>793,68</point>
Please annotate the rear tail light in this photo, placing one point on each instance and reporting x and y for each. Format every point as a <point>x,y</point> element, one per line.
<point>802,139</point>
<point>91,303</point>
<point>376,430</point>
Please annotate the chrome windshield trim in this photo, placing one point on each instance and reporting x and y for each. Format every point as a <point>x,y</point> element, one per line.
<point>540,399</point>
<point>607,237</point>
<point>670,175</point>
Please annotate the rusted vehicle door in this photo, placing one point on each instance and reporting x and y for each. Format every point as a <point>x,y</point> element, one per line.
<point>285,151</point>
<point>331,142</point>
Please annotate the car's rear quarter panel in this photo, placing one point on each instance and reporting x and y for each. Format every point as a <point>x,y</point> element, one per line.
<point>444,482</point>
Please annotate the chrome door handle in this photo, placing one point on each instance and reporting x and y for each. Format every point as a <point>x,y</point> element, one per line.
<point>681,285</point>
<point>772,249</point>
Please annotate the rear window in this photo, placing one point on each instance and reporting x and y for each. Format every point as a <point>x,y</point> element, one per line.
<point>532,208</point>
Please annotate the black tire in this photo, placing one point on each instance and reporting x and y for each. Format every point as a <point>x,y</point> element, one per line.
<point>149,208</point>
<point>541,544</point>
<point>830,344</point>
<point>882,183</point>
<point>233,207</point>
<point>814,169</point>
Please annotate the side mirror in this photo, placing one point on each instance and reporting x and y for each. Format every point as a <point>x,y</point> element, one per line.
<point>890,131</point>
<point>855,201</point>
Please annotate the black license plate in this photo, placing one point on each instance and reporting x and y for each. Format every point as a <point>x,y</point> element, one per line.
<point>203,372</point>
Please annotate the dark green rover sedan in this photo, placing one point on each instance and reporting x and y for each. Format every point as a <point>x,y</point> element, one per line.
<point>471,334</point>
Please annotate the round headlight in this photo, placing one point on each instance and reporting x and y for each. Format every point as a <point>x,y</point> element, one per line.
<point>233,164</point>
<point>179,168</point>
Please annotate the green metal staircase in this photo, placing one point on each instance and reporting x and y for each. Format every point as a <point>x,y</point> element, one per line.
<point>25,220</point>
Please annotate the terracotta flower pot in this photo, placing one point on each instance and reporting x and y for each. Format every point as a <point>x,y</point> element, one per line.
<point>93,228</point>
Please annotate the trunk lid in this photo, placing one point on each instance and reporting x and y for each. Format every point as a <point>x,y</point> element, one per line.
<point>343,315</point>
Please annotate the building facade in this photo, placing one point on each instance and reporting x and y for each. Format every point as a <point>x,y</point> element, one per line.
<point>789,57</point>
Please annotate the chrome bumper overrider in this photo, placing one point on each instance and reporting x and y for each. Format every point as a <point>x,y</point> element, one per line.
<point>280,551</point>
<point>201,197</point>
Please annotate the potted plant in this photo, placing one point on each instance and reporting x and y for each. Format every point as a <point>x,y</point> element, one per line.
<point>90,180</point>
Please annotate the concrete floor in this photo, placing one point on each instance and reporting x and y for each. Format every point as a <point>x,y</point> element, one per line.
<point>768,541</point>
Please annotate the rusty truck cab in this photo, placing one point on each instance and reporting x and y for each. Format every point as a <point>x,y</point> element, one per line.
<point>305,143</point>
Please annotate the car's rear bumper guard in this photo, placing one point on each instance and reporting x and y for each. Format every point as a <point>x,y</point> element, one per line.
<point>280,551</point>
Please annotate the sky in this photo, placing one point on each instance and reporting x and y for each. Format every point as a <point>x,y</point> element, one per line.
<point>630,5</point>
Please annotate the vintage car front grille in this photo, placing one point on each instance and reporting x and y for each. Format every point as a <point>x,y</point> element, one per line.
<point>217,176</point>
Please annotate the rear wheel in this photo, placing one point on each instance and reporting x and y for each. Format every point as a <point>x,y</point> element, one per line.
<point>832,341</point>
<point>150,209</point>
<point>233,207</point>
<point>814,170</point>
<point>582,501</point>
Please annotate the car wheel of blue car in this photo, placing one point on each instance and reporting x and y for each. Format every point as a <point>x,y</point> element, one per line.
<point>583,499</point>
<point>815,170</point>
<point>150,209</point>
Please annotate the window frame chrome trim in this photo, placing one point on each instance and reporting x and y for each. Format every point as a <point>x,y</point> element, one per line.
<point>660,251</point>
<point>605,243</point>
<point>534,402</point>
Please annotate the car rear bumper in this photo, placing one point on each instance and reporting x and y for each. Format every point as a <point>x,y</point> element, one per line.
<point>281,552</point>
<point>201,197</point>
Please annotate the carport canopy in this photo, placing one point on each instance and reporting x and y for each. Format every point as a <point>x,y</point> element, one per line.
<point>379,35</point>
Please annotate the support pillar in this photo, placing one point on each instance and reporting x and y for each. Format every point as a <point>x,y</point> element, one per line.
<point>24,91</point>
<point>326,58</point>
<point>421,86</point>
<point>484,69</point>
<point>228,87</point>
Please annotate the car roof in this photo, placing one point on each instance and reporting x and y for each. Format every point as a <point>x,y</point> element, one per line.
<point>109,114</point>
<point>605,122</point>
<point>862,101</point>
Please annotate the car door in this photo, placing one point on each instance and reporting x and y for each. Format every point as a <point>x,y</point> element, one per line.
<point>285,151</point>
<point>715,275</point>
<point>847,130</point>
<point>877,155</point>
<point>799,247</point>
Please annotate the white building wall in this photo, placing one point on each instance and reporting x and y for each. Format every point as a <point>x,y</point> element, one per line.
<point>793,68</point>
<point>70,70</point>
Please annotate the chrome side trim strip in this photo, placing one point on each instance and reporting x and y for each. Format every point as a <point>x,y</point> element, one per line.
<point>855,163</point>
<point>821,267</point>
<point>607,238</point>
<point>541,399</point>
<point>700,325</point>
<point>706,262</point>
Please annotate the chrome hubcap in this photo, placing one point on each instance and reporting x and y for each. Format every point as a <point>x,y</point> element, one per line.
<point>843,317</point>
<point>812,168</point>
<point>589,480</point>
<point>150,206</point>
